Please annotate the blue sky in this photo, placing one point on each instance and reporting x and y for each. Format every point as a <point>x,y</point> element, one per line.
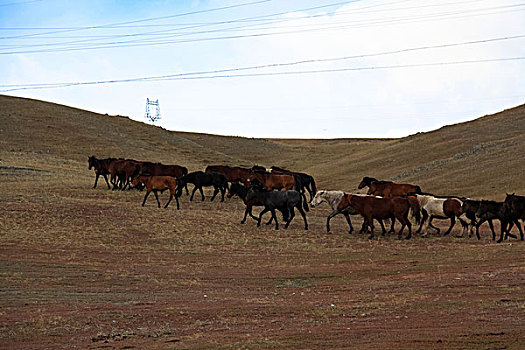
<point>420,64</point>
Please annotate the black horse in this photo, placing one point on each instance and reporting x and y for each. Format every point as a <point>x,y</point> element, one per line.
<point>237,189</point>
<point>495,210</point>
<point>201,179</point>
<point>278,199</point>
<point>513,210</point>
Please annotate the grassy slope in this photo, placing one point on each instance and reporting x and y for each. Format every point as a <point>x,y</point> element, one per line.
<point>480,158</point>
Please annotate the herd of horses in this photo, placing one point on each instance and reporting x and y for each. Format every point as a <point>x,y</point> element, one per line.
<point>277,189</point>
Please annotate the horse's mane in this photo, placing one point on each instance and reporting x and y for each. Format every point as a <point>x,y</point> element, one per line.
<point>487,201</point>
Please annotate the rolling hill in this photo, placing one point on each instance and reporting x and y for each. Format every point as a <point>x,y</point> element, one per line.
<point>480,158</point>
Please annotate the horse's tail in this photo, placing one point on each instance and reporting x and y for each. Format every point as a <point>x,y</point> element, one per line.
<point>305,202</point>
<point>415,209</point>
<point>312,183</point>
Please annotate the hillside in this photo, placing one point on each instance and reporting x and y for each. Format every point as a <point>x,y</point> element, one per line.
<point>480,158</point>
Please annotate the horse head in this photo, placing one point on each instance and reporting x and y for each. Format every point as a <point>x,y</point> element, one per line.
<point>318,198</point>
<point>366,182</point>
<point>92,161</point>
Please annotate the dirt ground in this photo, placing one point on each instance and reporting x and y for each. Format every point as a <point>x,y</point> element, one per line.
<point>92,269</point>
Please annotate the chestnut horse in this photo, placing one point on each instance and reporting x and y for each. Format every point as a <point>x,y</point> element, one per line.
<point>386,208</point>
<point>155,184</point>
<point>387,188</point>
<point>159,169</point>
<point>272,181</point>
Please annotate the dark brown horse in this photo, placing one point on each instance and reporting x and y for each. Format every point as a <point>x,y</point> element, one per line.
<point>387,188</point>
<point>155,184</point>
<point>232,173</point>
<point>513,210</point>
<point>101,167</point>
<point>386,208</point>
<point>122,172</point>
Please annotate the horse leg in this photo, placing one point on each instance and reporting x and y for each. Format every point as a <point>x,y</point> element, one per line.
<point>177,201</point>
<point>193,192</point>
<point>157,197</point>
<point>96,180</point>
<point>106,178</point>
<point>275,218</point>
<point>347,217</point>
<point>383,230</point>
<point>292,215</point>
<point>223,191</point>
<point>334,213</point>
<point>479,223</point>
<point>491,229</point>
<point>403,222</point>
<point>303,214</point>
<point>247,210</point>
<point>215,192</point>
<point>424,217</point>
<point>502,230</point>
<point>438,231</point>
<point>519,228</point>
<point>169,200</point>
<point>452,223</point>
<point>409,225</point>
<point>145,197</point>
<point>507,231</point>
<point>260,216</point>
<point>202,194</point>
<point>370,221</point>
<point>392,230</point>
<point>517,223</point>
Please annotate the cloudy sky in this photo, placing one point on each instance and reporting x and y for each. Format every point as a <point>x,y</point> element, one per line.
<point>270,68</point>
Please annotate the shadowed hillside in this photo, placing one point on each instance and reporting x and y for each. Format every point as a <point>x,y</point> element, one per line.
<point>481,158</point>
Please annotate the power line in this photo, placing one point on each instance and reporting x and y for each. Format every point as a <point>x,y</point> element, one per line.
<point>185,76</point>
<point>316,60</point>
<point>140,20</point>
<point>117,25</point>
<point>149,42</point>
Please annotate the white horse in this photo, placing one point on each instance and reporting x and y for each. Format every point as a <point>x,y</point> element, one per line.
<point>440,208</point>
<point>333,198</point>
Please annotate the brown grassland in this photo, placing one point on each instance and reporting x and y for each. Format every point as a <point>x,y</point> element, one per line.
<point>92,269</point>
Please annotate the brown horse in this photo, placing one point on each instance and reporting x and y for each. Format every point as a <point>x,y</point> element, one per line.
<point>386,208</point>
<point>272,181</point>
<point>159,169</point>
<point>101,168</point>
<point>232,173</point>
<point>155,184</point>
<point>122,172</point>
<point>387,188</point>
